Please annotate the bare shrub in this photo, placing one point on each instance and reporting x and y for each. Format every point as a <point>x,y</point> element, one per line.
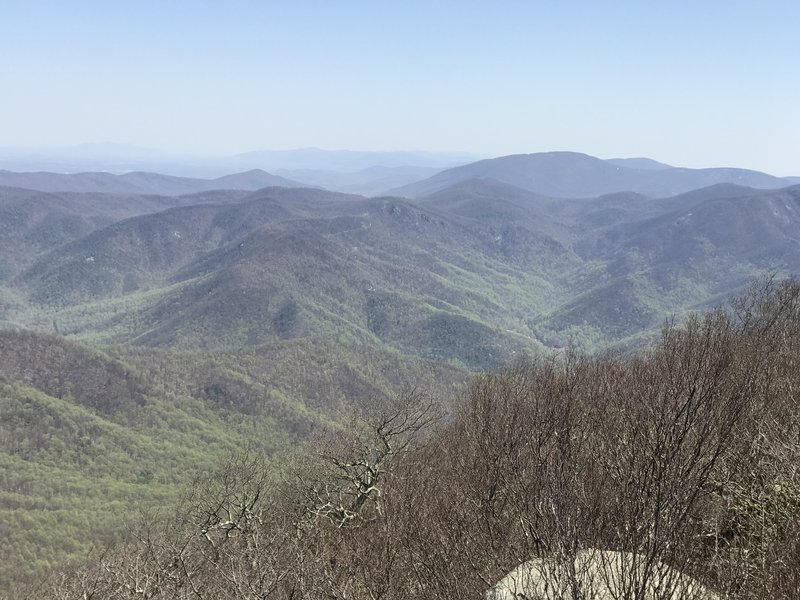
<point>682,463</point>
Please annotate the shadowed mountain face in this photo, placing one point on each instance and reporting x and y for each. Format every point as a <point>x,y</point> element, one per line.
<point>33,222</point>
<point>297,263</point>
<point>472,274</point>
<point>140,183</point>
<point>573,175</point>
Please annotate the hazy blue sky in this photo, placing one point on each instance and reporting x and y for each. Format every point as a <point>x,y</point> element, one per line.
<point>711,83</point>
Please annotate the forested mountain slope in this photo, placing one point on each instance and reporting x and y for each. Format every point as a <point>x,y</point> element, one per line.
<point>91,437</point>
<point>471,274</point>
<point>682,459</point>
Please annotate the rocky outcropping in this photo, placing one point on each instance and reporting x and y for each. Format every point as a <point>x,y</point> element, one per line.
<point>598,575</point>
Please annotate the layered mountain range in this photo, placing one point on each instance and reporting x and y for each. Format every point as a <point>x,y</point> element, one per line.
<point>574,175</point>
<point>161,320</point>
<point>138,182</point>
<point>474,271</point>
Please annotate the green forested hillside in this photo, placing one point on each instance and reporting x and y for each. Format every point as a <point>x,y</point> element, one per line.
<point>33,222</point>
<point>473,275</point>
<point>294,265</point>
<point>90,438</point>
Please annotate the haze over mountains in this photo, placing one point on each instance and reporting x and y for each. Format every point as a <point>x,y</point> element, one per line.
<point>122,158</point>
<point>408,174</point>
<point>155,319</point>
<point>574,175</point>
<point>140,182</point>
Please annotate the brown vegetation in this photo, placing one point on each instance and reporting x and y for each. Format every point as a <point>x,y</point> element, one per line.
<point>686,456</point>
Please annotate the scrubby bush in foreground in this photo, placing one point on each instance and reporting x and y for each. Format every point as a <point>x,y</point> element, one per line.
<point>686,456</point>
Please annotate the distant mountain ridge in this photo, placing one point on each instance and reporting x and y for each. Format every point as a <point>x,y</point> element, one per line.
<point>639,163</point>
<point>368,182</point>
<point>345,160</point>
<point>405,173</point>
<point>575,175</point>
<point>122,158</point>
<point>140,182</point>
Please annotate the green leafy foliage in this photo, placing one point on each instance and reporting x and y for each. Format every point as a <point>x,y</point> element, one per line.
<point>90,438</point>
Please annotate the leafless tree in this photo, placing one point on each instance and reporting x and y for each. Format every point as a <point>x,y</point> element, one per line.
<point>683,460</point>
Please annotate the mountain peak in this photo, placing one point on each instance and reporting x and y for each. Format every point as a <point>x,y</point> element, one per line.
<point>565,174</point>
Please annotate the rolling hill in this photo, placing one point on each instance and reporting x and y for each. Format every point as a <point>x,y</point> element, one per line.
<point>33,222</point>
<point>641,260</point>
<point>140,182</point>
<point>473,274</point>
<point>293,263</point>
<point>124,158</point>
<point>574,175</point>
<point>371,181</point>
<point>91,439</point>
